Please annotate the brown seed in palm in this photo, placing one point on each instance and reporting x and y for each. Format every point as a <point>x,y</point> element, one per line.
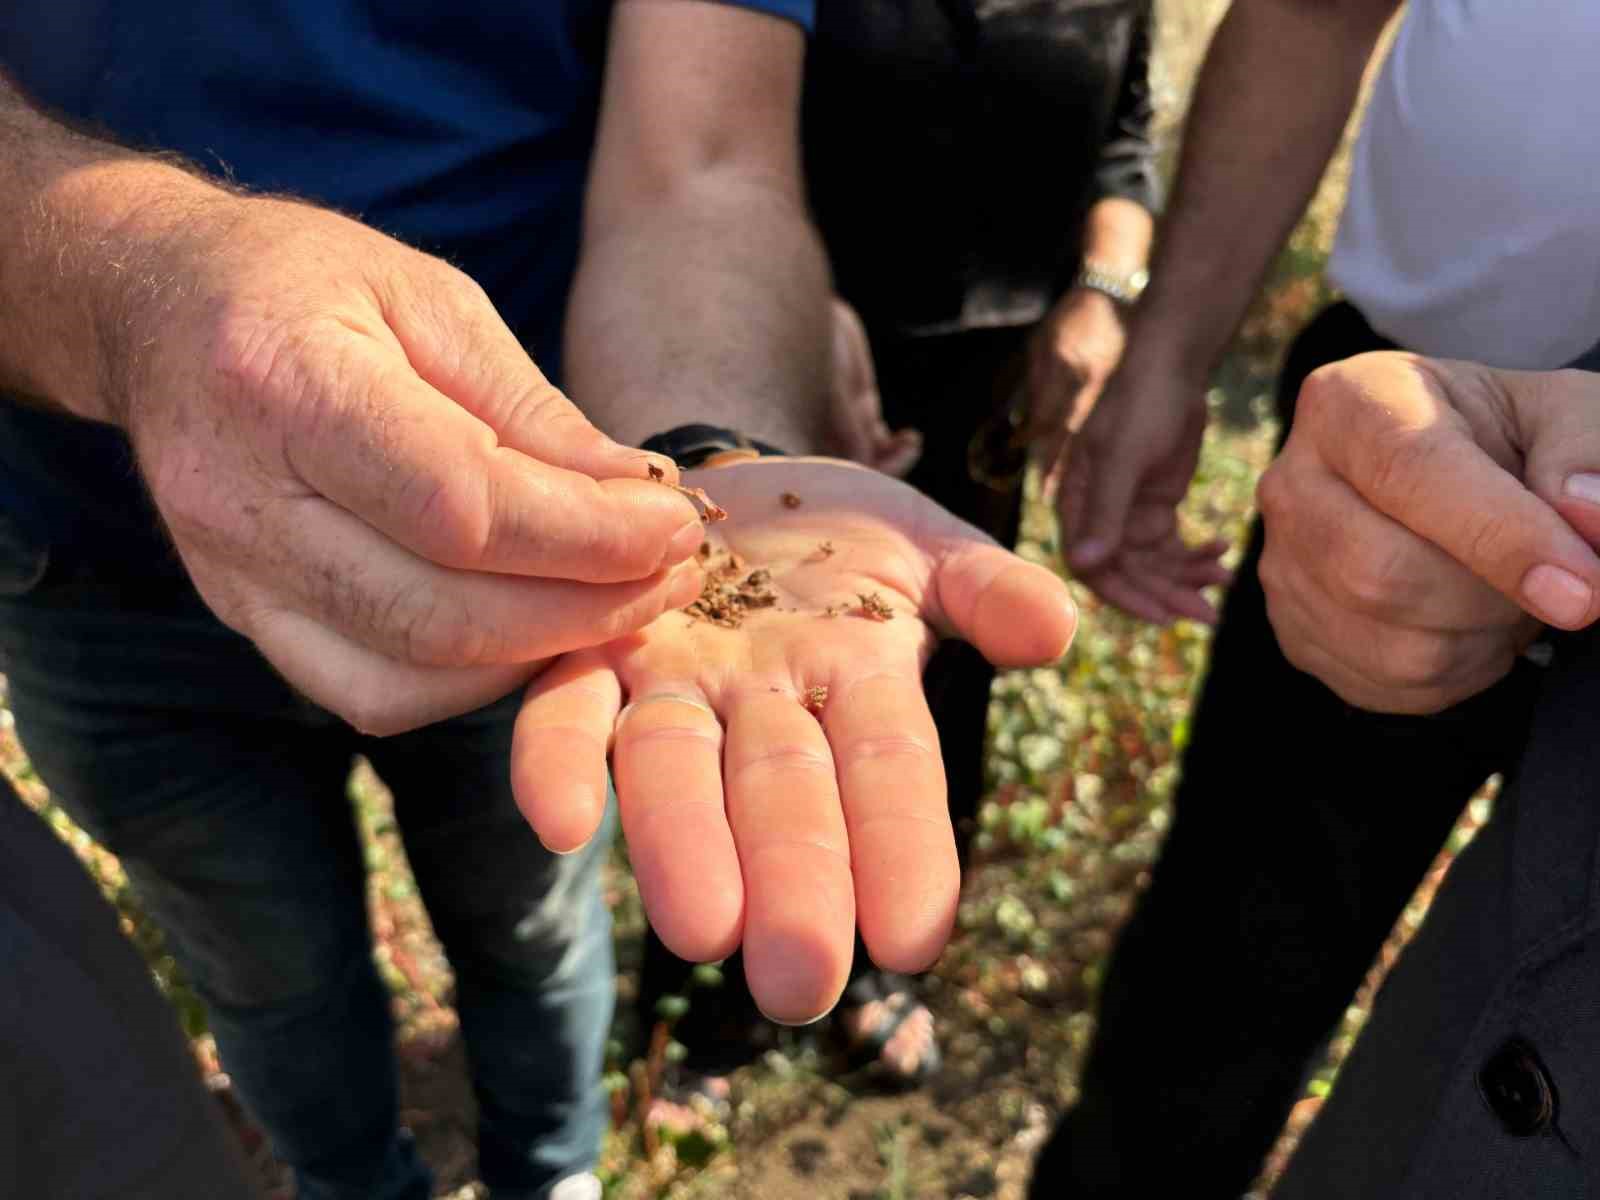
<point>790,500</point>
<point>874,608</point>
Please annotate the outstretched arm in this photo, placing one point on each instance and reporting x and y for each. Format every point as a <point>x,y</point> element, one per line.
<point>1276,90</point>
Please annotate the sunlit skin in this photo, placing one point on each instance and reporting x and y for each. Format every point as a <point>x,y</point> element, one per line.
<point>1423,525</point>
<point>749,820</point>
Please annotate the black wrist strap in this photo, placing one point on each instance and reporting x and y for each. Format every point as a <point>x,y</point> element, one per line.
<point>690,445</point>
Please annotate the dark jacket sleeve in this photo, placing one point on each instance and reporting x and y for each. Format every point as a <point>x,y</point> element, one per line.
<point>1127,166</point>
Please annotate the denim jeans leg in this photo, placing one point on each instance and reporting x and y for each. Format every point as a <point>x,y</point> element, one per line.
<point>529,938</point>
<point>224,795</point>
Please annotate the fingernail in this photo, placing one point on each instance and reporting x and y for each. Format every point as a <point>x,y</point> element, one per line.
<point>1557,595</point>
<point>1583,487</point>
<point>684,543</point>
<point>563,853</point>
<point>797,1024</point>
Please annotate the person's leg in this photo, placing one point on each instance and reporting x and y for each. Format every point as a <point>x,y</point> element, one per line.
<point>173,744</point>
<point>529,937</point>
<point>1478,1073</point>
<point>101,1097</point>
<point>1301,827</point>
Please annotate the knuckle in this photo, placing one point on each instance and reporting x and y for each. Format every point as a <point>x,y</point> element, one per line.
<point>877,747</point>
<point>453,521</point>
<point>1377,580</point>
<point>1323,393</point>
<point>1272,494</point>
<point>1413,659</point>
<point>1492,543</point>
<point>432,630</point>
<point>371,710</point>
<point>788,758</point>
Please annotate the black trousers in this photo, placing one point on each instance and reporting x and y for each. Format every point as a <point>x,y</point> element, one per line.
<point>1301,828</point>
<point>951,387</point>
<point>100,1096</point>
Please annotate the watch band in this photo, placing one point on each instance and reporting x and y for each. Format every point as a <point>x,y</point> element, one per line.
<point>1125,287</point>
<point>691,446</point>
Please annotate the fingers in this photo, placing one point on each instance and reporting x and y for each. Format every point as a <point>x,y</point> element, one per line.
<point>899,452</point>
<point>558,750</point>
<point>457,343</point>
<point>667,763</point>
<point>783,806</point>
<point>375,694</point>
<point>1324,539</point>
<point>1395,442</point>
<point>892,786</point>
<point>1016,613</point>
<point>1388,668</point>
<point>1096,490</point>
<point>326,564</point>
<point>435,479</point>
<point>1560,436</point>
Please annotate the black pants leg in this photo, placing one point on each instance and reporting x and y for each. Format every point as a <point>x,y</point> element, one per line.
<point>1301,828</point>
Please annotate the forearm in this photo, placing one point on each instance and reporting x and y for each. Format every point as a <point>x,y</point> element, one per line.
<point>81,223</point>
<point>1274,95</point>
<point>708,304</point>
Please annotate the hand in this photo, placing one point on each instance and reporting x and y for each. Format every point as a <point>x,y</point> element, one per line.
<point>856,409</point>
<point>1118,486</point>
<point>748,818</point>
<point>1072,354</point>
<point>1424,519</point>
<point>365,474</point>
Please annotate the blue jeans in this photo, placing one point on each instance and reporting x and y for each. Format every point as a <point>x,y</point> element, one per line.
<point>224,794</point>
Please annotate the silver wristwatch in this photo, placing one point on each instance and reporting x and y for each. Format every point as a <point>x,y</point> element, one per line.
<point>1125,287</point>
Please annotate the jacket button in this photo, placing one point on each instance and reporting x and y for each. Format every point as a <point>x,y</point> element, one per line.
<point>1517,1089</point>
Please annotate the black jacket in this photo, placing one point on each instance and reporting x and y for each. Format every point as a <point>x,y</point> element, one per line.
<point>953,146</point>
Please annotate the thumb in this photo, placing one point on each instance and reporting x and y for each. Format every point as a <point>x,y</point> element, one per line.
<point>1558,417</point>
<point>1016,613</point>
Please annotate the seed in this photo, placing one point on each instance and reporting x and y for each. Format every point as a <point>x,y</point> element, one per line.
<point>874,608</point>
<point>790,500</point>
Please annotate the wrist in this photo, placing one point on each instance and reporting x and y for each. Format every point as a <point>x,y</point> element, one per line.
<point>91,260</point>
<point>1122,285</point>
<point>1158,347</point>
<point>697,446</point>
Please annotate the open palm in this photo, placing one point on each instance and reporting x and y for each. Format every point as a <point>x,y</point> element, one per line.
<point>778,770</point>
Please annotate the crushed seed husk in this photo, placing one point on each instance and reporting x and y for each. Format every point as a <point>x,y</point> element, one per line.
<point>874,608</point>
<point>730,592</point>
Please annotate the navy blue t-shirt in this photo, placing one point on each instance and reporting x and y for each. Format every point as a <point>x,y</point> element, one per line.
<point>462,128</point>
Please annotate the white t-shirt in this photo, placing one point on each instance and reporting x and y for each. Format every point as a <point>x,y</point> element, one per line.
<point>1472,228</point>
